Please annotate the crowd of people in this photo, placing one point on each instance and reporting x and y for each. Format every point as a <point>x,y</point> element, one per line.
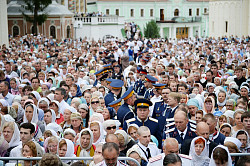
<point>132,31</point>
<point>163,102</point>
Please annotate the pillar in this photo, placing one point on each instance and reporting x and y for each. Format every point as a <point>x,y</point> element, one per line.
<point>4,23</point>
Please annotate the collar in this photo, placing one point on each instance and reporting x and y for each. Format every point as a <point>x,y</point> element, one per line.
<point>142,146</point>
<point>141,120</point>
<point>58,116</point>
<point>173,108</point>
<point>184,132</point>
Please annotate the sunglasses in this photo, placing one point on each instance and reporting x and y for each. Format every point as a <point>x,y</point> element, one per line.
<point>94,102</point>
<point>113,127</point>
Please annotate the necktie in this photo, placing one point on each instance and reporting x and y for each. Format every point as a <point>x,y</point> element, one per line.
<point>182,134</point>
<point>149,154</point>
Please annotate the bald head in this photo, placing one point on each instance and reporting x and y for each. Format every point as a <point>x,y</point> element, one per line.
<point>112,138</point>
<point>202,129</point>
<point>170,146</point>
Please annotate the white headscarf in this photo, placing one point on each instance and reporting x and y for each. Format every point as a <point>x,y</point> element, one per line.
<point>125,136</point>
<point>102,133</point>
<point>4,102</point>
<point>35,114</point>
<point>199,160</point>
<point>212,162</point>
<point>43,99</point>
<point>243,150</point>
<point>84,152</point>
<point>15,140</point>
<point>70,150</point>
<point>37,95</point>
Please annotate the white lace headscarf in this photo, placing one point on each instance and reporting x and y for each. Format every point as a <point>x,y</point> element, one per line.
<point>212,161</point>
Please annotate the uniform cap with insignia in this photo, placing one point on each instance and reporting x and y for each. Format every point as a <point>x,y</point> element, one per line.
<point>109,80</point>
<point>150,78</point>
<point>143,103</point>
<point>107,66</point>
<point>116,103</point>
<point>143,71</point>
<point>128,93</point>
<point>116,84</point>
<point>99,72</point>
<point>159,86</point>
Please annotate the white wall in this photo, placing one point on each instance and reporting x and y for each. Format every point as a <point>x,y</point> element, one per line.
<point>3,23</point>
<point>235,12</point>
<point>97,32</point>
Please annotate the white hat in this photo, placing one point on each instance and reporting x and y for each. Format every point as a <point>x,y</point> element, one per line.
<point>69,130</point>
<point>233,140</point>
<point>229,113</point>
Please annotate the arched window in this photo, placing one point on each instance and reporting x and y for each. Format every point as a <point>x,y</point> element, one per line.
<point>53,31</point>
<point>176,12</point>
<point>68,31</point>
<point>15,31</point>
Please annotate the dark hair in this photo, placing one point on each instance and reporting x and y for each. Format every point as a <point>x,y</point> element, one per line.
<point>182,85</point>
<point>245,115</point>
<point>28,87</point>
<point>51,72</point>
<point>49,159</point>
<point>171,65</point>
<point>243,161</point>
<point>63,91</point>
<point>6,83</point>
<point>28,126</point>
<point>241,132</point>
<point>78,163</point>
<point>220,154</point>
<point>214,65</point>
<point>48,110</point>
<point>34,78</point>
<point>209,71</point>
<point>171,158</point>
<point>110,146</point>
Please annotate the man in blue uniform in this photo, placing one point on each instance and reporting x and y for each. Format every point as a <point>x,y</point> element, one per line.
<point>160,106</point>
<point>149,81</point>
<point>113,108</point>
<point>139,84</point>
<point>98,75</point>
<point>143,119</point>
<point>126,112</point>
<point>116,87</point>
<point>181,131</point>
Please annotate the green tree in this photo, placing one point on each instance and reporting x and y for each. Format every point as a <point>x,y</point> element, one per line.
<point>151,30</point>
<point>36,7</point>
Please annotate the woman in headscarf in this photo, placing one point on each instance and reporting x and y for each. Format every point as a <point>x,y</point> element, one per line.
<point>49,117</point>
<point>85,147</point>
<point>193,106</point>
<point>135,153</point>
<point>226,129</point>
<point>221,100</point>
<point>98,133</point>
<point>66,149</point>
<point>3,103</point>
<point>110,126</point>
<point>243,136</point>
<point>14,83</point>
<point>233,145</point>
<point>54,105</point>
<point>20,112</point>
<point>66,115</point>
<point>125,142</point>
<point>43,103</point>
<point>11,134</point>
<point>35,96</point>
<point>199,152</point>
<point>209,105</point>
<point>220,157</point>
<point>83,109</point>
<point>4,146</point>
<point>31,116</point>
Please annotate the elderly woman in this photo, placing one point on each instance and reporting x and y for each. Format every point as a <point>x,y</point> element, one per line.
<point>76,122</point>
<point>51,144</point>
<point>132,131</point>
<point>135,154</point>
<point>199,152</point>
<point>233,145</point>
<point>243,137</point>
<point>11,134</point>
<point>66,149</point>
<point>94,104</point>
<point>98,133</point>
<point>237,120</point>
<point>125,142</point>
<point>66,115</point>
<point>110,126</point>
<point>85,147</point>
<point>69,134</point>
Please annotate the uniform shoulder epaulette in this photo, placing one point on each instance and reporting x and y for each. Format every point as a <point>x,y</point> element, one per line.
<point>153,119</point>
<point>192,126</point>
<point>170,124</point>
<point>130,120</point>
<point>185,156</point>
<point>156,158</point>
<point>169,131</point>
<point>192,129</point>
<point>170,120</point>
<point>192,121</point>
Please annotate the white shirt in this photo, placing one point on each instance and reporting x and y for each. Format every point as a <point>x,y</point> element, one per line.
<point>154,151</point>
<point>62,106</point>
<point>184,132</point>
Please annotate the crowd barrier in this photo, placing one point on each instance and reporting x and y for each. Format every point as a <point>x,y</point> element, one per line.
<point>90,158</point>
<point>62,158</point>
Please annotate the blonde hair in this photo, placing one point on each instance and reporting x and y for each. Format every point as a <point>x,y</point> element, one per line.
<point>10,125</point>
<point>52,139</point>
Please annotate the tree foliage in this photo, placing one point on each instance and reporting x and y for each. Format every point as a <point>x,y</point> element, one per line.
<point>36,7</point>
<point>151,30</point>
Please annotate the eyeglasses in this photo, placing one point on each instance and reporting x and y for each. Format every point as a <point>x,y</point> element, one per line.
<point>94,102</point>
<point>113,127</point>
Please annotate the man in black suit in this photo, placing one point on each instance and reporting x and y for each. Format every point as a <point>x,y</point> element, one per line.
<point>202,129</point>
